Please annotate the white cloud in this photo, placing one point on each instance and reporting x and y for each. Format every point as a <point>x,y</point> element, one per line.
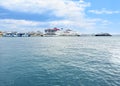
<point>72,12</point>
<point>59,7</point>
<point>67,9</point>
<point>13,24</point>
<point>25,25</point>
<point>18,22</point>
<point>18,25</point>
<point>104,11</point>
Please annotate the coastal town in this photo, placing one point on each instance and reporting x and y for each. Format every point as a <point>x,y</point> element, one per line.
<point>47,33</point>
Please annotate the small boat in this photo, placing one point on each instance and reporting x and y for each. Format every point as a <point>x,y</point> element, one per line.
<point>103,34</point>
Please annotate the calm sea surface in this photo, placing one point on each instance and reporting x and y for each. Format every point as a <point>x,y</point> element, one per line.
<point>60,61</point>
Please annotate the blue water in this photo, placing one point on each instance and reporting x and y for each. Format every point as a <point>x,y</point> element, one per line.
<point>60,61</point>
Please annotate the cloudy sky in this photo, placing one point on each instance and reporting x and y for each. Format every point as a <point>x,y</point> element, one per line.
<point>85,16</point>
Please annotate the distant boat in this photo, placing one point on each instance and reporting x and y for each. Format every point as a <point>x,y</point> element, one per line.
<point>103,34</point>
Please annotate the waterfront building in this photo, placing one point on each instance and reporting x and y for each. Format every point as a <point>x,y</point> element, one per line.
<point>23,35</point>
<point>1,34</point>
<point>15,34</point>
<point>9,34</point>
<point>34,34</point>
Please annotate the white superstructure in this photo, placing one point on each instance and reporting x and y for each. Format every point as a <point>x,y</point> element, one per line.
<point>67,32</point>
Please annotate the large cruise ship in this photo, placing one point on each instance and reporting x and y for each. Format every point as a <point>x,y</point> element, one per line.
<point>60,32</point>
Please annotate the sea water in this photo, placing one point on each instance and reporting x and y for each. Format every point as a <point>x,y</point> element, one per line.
<point>60,61</point>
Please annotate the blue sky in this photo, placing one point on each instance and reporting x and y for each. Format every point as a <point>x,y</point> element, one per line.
<point>85,16</point>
